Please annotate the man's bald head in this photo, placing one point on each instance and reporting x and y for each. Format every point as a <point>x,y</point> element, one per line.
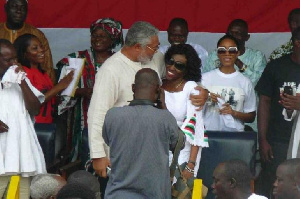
<point>146,84</point>
<point>146,77</point>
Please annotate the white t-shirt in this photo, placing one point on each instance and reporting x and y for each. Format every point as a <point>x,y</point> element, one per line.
<point>235,89</point>
<point>254,196</point>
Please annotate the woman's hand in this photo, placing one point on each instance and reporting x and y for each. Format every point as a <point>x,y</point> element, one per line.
<point>186,174</point>
<point>19,68</point>
<point>64,82</point>
<point>227,110</point>
<point>199,100</point>
<point>214,97</point>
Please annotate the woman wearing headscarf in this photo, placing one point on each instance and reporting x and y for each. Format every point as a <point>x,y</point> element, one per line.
<point>106,34</point>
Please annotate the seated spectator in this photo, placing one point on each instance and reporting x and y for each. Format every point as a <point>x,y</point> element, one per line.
<point>31,55</point>
<point>20,151</point>
<point>16,13</point>
<point>46,186</point>
<point>85,178</point>
<point>287,178</point>
<point>232,95</point>
<point>139,155</point>
<point>287,48</point>
<point>182,73</point>
<point>75,191</point>
<point>177,34</point>
<point>250,62</point>
<point>232,179</point>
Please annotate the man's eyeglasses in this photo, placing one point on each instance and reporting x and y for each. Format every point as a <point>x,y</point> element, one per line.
<point>178,65</point>
<point>154,50</point>
<point>231,50</point>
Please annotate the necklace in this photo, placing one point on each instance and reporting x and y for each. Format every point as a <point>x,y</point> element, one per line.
<point>179,84</point>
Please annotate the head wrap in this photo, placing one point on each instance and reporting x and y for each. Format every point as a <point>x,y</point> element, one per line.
<point>111,27</point>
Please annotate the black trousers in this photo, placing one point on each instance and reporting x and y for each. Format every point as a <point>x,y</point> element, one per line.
<point>264,183</point>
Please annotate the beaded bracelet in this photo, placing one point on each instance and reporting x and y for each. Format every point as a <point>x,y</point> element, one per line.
<point>189,169</point>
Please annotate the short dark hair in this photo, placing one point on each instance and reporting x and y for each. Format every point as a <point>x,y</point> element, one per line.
<point>4,42</point>
<point>84,177</point>
<point>146,77</point>
<point>239,22</point>
<point>240,172</point>
<point>193,71</point>
<point>229,37</point>
<point>292,165</point>
<point>75,190</point>
<point>10,1</point>
<point>179,21</point>
<point>293,14</point>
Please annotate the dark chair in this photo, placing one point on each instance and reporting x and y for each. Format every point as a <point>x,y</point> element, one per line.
<point>225,146</point>
<point>46,137</point>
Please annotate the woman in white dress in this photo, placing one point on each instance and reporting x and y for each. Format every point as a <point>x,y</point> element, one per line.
<point>182,73</point>
<point>20,151</point>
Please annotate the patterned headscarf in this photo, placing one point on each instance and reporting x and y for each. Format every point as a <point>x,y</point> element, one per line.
<point>111,27</point>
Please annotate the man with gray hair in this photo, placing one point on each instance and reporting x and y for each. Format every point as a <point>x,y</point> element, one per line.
<point>46,186</point>
<point>114,80</point>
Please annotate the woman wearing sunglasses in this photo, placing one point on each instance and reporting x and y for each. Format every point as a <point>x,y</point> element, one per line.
<point>232,95</point>
<point>182,73</point>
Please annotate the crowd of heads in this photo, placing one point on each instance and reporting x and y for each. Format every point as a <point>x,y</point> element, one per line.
<point>232,179</point>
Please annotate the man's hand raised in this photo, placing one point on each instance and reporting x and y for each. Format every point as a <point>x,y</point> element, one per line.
<point>100,165</point>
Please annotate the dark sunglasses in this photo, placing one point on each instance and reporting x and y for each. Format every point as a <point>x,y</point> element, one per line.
<point>178,65</point>
<point>231,50</point>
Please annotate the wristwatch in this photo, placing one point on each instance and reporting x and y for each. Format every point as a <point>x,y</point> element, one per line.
<point>192,162</point>
<point>243,68</point>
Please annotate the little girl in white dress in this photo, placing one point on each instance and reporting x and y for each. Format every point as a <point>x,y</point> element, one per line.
<point>20,151</point>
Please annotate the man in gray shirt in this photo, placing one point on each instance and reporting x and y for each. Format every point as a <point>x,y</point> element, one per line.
<point>140,136</point>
